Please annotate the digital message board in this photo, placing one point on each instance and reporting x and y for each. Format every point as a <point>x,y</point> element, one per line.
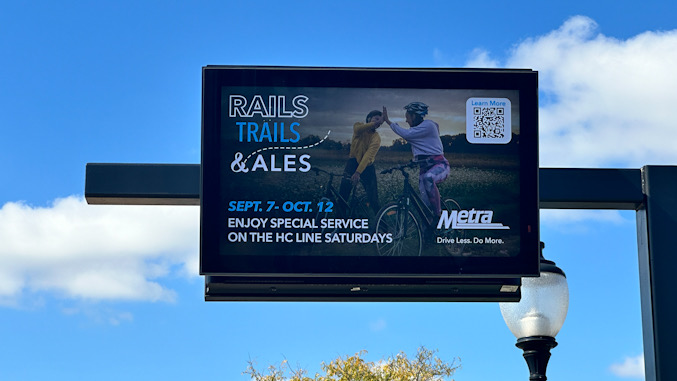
<point>323,173</point>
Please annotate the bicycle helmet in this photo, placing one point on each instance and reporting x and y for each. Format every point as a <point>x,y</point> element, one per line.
<point>417,108</point>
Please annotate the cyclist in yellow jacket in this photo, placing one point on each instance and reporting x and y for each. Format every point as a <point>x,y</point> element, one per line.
<point>360,166</point>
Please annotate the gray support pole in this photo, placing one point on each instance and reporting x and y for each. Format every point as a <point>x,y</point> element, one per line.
<point>656,233</point>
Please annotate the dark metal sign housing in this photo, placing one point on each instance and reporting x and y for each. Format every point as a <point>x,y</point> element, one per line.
<point>274,138</point>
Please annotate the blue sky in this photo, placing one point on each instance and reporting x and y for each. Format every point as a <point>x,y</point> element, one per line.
<point>113,292</point>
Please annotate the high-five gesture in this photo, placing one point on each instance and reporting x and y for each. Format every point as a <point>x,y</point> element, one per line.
<point>385,115</point>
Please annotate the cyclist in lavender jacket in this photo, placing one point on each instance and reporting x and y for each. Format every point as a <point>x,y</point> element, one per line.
<point>426,146</point>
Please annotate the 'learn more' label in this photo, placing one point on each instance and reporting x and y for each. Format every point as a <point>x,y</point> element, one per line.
<point>488,121</point>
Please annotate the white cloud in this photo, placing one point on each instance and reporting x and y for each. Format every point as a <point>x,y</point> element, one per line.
<point>378,325</point>
<point>604,101</point>
<point>95,252</point>
<point>100,314</point>
<point>438,57</point>
<point>631,367</point>
<point>480,58</point>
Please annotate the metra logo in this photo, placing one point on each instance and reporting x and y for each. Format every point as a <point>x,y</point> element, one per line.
<point>469,219</point>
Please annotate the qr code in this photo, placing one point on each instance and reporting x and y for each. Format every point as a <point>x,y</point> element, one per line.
<point>488,120</point>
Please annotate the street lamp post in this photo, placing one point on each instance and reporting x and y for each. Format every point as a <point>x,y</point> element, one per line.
<point>537,318</point>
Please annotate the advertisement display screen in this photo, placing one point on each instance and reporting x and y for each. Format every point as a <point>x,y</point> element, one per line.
<point>317,172</point>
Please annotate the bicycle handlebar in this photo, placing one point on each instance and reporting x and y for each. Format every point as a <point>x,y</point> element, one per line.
<point>402,167</point>
<point>318,171</point>
<point>331,175</point>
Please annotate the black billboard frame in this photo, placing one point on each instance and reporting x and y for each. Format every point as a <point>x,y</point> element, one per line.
<point>311,268</point>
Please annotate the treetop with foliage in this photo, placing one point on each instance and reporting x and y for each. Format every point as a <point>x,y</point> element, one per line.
<point>425,366</point>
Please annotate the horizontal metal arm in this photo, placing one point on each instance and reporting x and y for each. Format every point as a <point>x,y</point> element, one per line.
<point>179,184</point>
<point>590,188</point>
<point>142,184</point>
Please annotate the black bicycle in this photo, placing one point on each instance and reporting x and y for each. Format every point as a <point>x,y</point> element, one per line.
<point>356,206</point>
<point>410,221</point>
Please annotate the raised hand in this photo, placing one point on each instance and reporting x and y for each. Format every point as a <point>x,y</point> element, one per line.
<point>385,115</point>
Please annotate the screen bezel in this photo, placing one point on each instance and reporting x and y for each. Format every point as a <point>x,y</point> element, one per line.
<point>212,262</point>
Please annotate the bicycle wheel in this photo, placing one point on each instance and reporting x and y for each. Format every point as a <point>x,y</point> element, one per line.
<point>453,236</point>
<point>404,228</point>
